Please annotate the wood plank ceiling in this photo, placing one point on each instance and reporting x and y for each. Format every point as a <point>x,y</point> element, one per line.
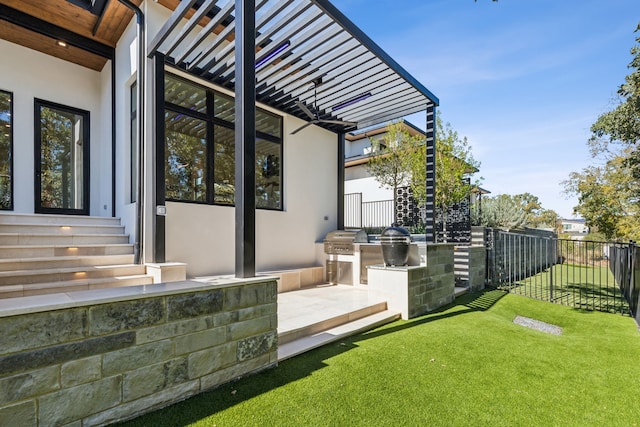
<point>105,29</point>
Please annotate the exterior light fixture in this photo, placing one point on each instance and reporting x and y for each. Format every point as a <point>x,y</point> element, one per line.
<point>268,57</point>
<point>351,101</point>
<point>61,43</point>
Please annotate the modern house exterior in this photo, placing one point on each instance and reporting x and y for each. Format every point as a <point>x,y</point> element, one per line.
<point>78,61</point>
<point>209,133</point>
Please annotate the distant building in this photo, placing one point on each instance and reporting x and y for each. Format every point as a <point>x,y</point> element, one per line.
<point>575,228</point>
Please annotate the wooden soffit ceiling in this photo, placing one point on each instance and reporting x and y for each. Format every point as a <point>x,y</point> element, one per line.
<point>19,24</point>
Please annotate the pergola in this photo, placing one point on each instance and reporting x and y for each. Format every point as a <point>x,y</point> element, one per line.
<point>302,57</point>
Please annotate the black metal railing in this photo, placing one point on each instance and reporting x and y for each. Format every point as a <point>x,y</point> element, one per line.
<point>582,274</point>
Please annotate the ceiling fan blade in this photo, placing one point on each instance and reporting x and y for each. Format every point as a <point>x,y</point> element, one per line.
<point>306,110</point>
<point>303,127</point>
<point>338,122</point>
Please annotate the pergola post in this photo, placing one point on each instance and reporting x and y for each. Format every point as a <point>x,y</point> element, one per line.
<point>340,201</point>
<point>430,205</point>
<point>245,137</point>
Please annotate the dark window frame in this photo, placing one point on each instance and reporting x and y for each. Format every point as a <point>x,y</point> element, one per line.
<point>212,121</point>
<point>86,157</point>
<point>11,147</point>
<point>133,142</point>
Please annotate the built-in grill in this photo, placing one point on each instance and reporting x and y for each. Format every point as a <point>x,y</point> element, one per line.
<point>339,246</point>
<point>340,242</point>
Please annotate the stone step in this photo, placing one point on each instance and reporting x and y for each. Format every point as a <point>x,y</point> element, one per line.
<point>64,262</point>
<point>301,331</point>
<point>42,219</point>
<point>60,229</point>
<point>303,344</point>
<point>61,239</point>
<point>14,291</point>
<point>27,277</point>
<point>39,251</point>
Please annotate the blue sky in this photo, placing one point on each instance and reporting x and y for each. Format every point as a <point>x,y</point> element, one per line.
<point>523,80</point>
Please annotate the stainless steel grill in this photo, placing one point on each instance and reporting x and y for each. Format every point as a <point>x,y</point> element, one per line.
<point>341,242</point>
<point>339,246</point>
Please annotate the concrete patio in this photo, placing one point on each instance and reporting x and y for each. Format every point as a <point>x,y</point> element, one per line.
<point>312,317</point>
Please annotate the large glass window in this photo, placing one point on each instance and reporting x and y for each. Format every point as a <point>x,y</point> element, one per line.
<point>200,147</point>
<point>186,154</point>
<point>6,150</point>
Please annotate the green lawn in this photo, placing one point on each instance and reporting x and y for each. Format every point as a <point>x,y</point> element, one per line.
<point>467,365</point>
<point>587,287</point>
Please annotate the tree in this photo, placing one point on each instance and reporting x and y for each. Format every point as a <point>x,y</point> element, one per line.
<point>454,165</point>
<point>606,198</point>
<point>500,211</point>
<point>608,194</point>
<point>512,212</point>
<point>388,162</point>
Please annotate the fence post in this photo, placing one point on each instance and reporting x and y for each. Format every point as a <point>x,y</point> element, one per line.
<point>550,273</point>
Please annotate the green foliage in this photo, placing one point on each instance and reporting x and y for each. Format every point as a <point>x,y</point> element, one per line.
<point>512,212</point>
<point>454,164</point>
<point>500,211</point>
<point>606,198</point>
<point>389,161</point>
<point>622,124</point>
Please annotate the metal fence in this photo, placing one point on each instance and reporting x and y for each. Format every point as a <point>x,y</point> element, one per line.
<point>582,274</point>
<point>359,214</point>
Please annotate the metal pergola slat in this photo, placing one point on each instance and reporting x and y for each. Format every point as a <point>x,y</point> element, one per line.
<point>323,47</point>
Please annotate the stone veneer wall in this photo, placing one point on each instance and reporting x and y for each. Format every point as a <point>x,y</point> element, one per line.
<point>477,267</point>
<point>416,290</point>
<point>440,281</point>
<point>95,363</point>
<point>470,267</point>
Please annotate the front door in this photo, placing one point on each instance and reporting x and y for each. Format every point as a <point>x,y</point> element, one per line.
<point>61,159</point>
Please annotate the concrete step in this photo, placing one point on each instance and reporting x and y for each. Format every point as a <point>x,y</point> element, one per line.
<point>8,239</point>
<point>42,219</point>
<point>14,291</point>
<point>301,331</point>
<point>26,277</point>
<point>60,229</point>
<point>39,251</point>
<point>64,262</point>
<point>303,344</point>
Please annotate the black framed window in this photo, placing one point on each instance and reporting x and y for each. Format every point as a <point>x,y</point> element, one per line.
<point>61,159</point>
<point>133,147</point>
<point>6,150</point>
<point>200,147</point>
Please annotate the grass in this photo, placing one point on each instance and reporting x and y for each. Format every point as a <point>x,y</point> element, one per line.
<point>586,287</point>
<point>467,364</point>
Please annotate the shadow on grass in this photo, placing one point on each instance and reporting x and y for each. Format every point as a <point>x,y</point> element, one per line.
<point>228,395</point>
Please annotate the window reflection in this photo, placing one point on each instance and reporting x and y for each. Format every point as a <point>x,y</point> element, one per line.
<point>200,148</point>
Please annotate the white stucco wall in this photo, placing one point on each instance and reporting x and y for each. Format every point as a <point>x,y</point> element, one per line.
<point>29,74</point>
<point>358,180</point>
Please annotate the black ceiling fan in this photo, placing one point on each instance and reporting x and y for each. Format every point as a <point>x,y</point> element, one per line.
<point>315,118</point>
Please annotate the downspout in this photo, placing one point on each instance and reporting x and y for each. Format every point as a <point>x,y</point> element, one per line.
<point>137,248</point>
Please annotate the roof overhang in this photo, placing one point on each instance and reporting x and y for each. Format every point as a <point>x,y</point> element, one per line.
<point>307,52</point>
